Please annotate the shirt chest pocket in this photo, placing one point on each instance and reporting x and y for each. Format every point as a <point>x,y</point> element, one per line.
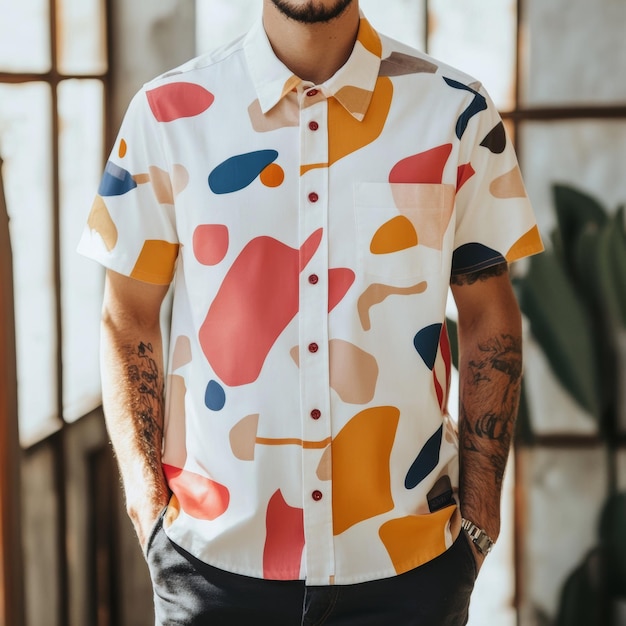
<point>401,228</point>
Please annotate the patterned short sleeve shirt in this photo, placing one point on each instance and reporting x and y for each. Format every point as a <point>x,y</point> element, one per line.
<point>310,232</point>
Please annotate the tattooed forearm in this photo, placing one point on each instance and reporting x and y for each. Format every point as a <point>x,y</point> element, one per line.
<point>489,426</point>
<point>490,388</point>
<point>490,435</point>
<point>482,275</point>
<point>146,394</point>
<point>491,391</point>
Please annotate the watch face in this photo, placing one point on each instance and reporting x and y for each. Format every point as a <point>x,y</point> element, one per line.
<point>483,543</point>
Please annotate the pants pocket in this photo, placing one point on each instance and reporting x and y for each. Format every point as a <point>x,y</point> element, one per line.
<point>469,551</point>
<point>156,527</point>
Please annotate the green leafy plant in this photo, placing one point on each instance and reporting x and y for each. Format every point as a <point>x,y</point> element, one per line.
<point>574,296</point>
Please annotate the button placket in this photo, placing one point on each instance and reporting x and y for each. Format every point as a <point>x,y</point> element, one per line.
<point>313,323</point>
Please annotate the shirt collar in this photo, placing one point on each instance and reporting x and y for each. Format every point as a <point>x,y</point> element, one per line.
<point>352,85</point>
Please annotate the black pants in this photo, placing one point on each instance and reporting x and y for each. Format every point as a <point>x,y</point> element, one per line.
<point>189,592</point>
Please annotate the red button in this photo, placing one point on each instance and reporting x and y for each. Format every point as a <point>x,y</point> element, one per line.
<point>316,495</point>
<point>313,347</point>
<point>313,125</point>
<point>313,197</point>
<point>313,279</point>
<point>312,92</point>
<point>316,414</point>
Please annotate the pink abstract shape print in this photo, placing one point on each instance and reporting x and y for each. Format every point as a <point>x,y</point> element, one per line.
<point>284,540</point>
<point>175,100</point>
<point>425,167</point>
<point>199,496</point>
<point>254,305</point>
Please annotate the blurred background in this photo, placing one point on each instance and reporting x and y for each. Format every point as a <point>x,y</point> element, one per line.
<point>557,72</point>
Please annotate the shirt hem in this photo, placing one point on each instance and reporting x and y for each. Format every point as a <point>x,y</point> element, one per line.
<point>312,581</point>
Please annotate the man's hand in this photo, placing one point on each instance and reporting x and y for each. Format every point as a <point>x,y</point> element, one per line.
<point>143,513</point>
<point>478,555</point>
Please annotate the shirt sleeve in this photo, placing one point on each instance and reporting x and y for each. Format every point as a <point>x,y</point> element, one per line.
<point>131,227</point>
<point>495,221</point>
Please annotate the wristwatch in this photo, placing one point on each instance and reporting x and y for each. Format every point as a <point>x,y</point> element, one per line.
<point>481,539</point>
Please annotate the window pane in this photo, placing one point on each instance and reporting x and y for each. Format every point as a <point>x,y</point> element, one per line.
<point>564,491</point>
<point>81,36</point>
<point>478,37</point>
<point>25,147</point>
<point>588,154</point>
<point>24,36</point>
<point>401,19</point>
<point>80,162</point>
<point>576,52</point>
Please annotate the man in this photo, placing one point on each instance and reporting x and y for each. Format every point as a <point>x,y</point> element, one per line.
<point>312,190</point>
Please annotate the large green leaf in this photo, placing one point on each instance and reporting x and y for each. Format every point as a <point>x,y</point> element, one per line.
<point>613,541</point>
<point>595,285</point>
<point>586,257</point>
<point>575,211</point>
<point>582,601</point>
<point>612,269</point>
<point>561,324</point>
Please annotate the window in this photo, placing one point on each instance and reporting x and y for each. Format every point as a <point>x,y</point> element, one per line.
<point>53,79</point>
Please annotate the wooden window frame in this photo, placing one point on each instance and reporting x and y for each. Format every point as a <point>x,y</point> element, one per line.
<point>12,603</point>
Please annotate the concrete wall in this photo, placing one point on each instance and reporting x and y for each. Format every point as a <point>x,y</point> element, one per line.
<point>147,39</point>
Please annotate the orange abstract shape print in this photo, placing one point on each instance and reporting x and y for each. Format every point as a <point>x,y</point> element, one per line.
<point>273,175</point>
<point>395,235</point>
<point>369,38</point>
<point>416,539</point>
<point>347,134</point>
<point>156,262</point>
<point>360,467</point>
<point>528,243</point>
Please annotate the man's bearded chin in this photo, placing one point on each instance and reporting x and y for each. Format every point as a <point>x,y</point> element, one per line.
<point>312,12</point>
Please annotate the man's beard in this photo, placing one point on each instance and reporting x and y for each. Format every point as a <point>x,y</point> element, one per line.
<point>311,12</point>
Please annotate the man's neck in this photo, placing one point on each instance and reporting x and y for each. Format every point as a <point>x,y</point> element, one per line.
<point>313,52</point>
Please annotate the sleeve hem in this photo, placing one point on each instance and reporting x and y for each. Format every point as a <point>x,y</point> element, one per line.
<point>478,266</point>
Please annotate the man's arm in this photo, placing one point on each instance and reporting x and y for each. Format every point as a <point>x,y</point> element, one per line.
<point>132,392</point>
<point>490,369</point>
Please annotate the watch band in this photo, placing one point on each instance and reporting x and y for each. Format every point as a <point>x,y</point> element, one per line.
<point>481,539</point>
